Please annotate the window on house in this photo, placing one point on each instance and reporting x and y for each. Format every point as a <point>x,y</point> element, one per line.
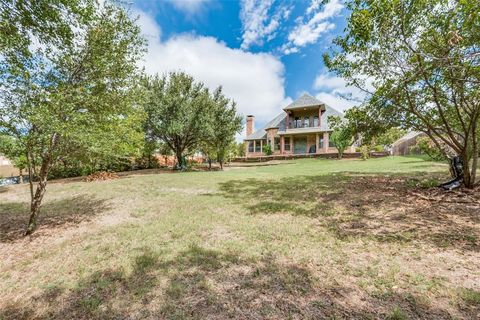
<point>257,146</point>
<point>277,143</point>
<point>287,144</point>
<point>297,123</point>
<point>320,143</point>
<point>250,146</point>
<point>306,121</point>
<point>315,121</point>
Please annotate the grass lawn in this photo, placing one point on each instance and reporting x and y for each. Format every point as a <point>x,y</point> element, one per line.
<point>306,239</point>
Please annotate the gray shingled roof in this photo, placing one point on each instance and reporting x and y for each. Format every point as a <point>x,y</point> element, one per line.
<point>329,111</point>
<point>280,120</point>
<point>408,136</point>
<point>305,100</point>
<point>275,123</point>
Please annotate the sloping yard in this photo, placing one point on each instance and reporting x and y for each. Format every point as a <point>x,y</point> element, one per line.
<point>308,239</point>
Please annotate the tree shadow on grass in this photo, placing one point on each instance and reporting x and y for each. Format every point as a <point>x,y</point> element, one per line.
<point>381,207</point>
<point>202,283</point>
<point>14,215</point>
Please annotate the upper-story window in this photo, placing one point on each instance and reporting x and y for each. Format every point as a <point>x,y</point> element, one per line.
<point>306,122</point>
<point>297,123</point>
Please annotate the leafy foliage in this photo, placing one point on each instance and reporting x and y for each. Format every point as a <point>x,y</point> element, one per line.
<point>240,149</point>
<point>342,135</point>
<point>225,123</point>
<point>178,112</point>
<point>419,61</point>
<point>390,136</point>
<point>182,114</point>
<point>267,149</point>
<point>69,88</point>
<point>426,146</point>
<point>365,151</point>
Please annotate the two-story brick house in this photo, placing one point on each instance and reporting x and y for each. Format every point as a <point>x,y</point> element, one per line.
<point>302,128</point>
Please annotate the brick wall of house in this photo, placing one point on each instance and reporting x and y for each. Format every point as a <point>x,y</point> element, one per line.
<point>271,133</point>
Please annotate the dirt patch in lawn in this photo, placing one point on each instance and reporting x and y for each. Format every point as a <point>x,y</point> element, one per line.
<point>381,207</point>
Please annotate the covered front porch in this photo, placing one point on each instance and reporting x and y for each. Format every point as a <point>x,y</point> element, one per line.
<point>293,143</point>
<point>306,143</point>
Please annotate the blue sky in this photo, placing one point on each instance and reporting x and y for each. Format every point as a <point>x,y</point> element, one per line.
<point>264,53</point>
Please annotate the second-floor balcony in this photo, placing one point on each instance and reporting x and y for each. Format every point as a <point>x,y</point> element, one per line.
<point>303,122</point>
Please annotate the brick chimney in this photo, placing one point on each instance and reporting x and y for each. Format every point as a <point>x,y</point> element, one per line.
<point>250,124</point>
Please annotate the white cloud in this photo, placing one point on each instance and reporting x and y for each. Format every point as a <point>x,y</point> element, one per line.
<point>189,7</point>
<point>327,81</point>
<point>336,101</point>
<point>258,22</point>
<point>335,91</point>
<point>254,80</point>
<point>314,5</point>
<point>310,27</point>
<point>308,33</point>
<point>150,29</point>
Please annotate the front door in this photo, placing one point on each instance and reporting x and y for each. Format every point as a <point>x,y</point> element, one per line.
<point>300,145</point>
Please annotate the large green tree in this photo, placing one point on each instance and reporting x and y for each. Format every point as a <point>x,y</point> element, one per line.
<point>225,124</point>
<point>178,112</point>
<point>342,135</point>
<point>419,61</point>
<point>68,84</point>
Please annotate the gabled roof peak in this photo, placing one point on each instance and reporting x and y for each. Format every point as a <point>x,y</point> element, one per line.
<point>305,100</point>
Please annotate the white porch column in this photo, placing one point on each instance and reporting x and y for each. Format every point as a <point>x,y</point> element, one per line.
<point>317,143</point>
<point>282,144</point>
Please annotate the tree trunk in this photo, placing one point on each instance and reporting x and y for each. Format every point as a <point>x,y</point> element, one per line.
<point>467,176</point>
<point>475,156</point>
<point>20,177</point>
<point>36,201</point>
<point>178,154</point>
<point>30,174</point>
<point>209,164</point>
<point>221,164</point>
<point>473,174</point>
